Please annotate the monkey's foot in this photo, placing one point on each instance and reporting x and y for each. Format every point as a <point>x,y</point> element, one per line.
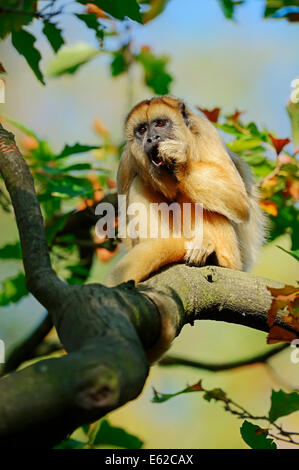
<point>197,252</point>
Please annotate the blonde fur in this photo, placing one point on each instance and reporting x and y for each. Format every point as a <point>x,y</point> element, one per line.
<point>203,171</point>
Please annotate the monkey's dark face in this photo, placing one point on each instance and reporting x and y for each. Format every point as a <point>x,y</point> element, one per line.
<point>150,124</point>
<point>150,134</point>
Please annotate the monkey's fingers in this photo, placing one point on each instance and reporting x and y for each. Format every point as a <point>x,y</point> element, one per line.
<point>173,152</point>
<point>198,252</point>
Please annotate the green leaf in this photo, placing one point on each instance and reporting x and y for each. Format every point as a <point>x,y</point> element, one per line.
<point>23,42</point>
<point>120,9</point>
<point>162,397</point>
<point>68,186</point>
<point>283,404</point>
<point>11,22</point>
<point>56,226</point>
<point>294,253</point>
<point>227,6</point>
<point>91,22</point>
<point>254,159</point>
<point>118,64</point>
<point>70,58</point>
<point>244,144</point>
<point>11,251</point>
<point>13,289</point>
<point>256,437</point>
<point>113,436</point>
<point>228,129</point>
<point>263,169</point>
<point>79,273</point>
<point>60,171</point>
<point>281,8</point>
<point>53,34</point>
<point>71,444</point>
<point>216,394</point>
<point>21,127</point>
<point>77,167</point>
<point>293,110</point>
<point>155,76</point>
<point>76,148</point>
<point>252,127</point>
<point>156,8</point>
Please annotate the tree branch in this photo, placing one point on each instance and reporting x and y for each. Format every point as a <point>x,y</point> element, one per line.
<point>23,351</point>
<point>19,183</point>
<point>258,359</point>
<point>105,331</point>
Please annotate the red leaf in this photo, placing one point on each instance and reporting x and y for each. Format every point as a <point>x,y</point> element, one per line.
<point>212,114</point>
<point>278,334</point>
<point>285,298</point>
<point>279,144</point>
<point>235,117</point>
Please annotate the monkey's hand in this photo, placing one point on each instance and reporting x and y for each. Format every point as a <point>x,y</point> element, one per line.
<point>173,153</point>
<point>198,251</point>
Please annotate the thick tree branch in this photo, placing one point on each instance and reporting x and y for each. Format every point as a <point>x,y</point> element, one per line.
<point>19,183</point>
<point>104,331</point>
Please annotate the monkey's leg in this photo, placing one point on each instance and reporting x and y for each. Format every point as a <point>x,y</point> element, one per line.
<point>226,243</point>
<point>219,237</point>
<point>145,258</point>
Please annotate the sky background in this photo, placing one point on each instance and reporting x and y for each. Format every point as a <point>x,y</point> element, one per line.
<point>247,64</point>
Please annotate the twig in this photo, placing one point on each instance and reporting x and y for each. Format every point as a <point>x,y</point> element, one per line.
<point>23,351</point>
<point>258,359</point>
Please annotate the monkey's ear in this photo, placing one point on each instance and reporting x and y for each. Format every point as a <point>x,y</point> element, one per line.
<point>184,113</point>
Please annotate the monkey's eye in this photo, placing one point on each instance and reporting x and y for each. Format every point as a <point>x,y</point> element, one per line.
<point>160,122</point>
<point>141,129</point>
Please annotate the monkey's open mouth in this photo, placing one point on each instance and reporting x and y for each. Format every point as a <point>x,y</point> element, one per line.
<point>154,157</point>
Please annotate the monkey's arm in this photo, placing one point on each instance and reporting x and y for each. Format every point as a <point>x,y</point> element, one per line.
<point>218,188</point>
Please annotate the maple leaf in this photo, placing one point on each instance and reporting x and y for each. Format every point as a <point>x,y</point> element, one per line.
<point>279,144</point>
<point>235,117</point>
<point>212,114</point>
<point>97,11</point>
<point>286,298</point>
<point>270,207</point>
<point>292,188</point>
<point>197,386</point>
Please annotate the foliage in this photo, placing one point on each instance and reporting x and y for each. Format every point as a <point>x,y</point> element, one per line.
<point>276,169</point>
<point>68,186</point>
<point>288,9</point>
<point>282,404</point>
<point>65,184</point>
<point>102,17</point>
<point>102,434</point>
<point>256,437</point>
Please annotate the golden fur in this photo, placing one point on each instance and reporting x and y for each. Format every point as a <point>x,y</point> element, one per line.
<point>205,172</point>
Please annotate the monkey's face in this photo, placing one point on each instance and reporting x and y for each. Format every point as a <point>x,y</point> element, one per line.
<point>149,124</point>
<point>150,134</point>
